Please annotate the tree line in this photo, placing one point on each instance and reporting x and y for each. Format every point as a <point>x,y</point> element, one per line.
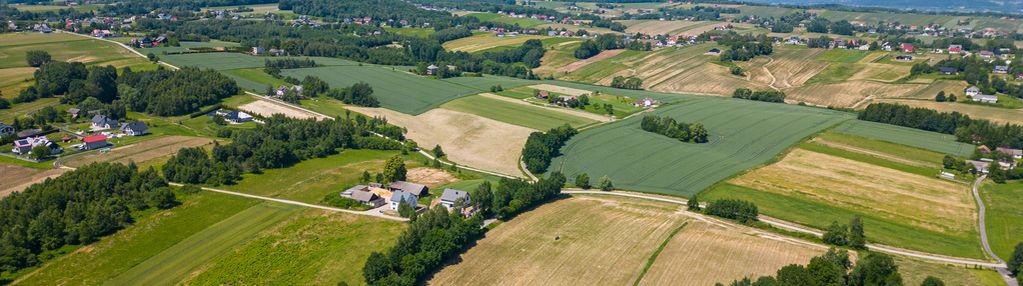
<point>279,143</point>
<point>603,42</point>
<point>776,96</point>
<point>78,207</point>
<point>833,269</point>
<point>846,235</point>
<point>542,147</point>
<point>743,47</point>
<point>631,82</point>
<point>667,126</point>
<point>962,126</point>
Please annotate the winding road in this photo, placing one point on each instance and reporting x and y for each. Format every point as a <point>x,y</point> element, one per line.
<point>1002,269</point>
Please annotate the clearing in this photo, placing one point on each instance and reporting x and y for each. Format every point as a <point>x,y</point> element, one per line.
<point>16,178</point>
<point>140,152</point>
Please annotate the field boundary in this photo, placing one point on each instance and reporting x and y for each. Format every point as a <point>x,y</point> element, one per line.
<point>653,257</point>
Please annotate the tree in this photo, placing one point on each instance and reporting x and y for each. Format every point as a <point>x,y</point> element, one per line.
<point>406,209</point>
<point>736,71</point>
<point>366,177</point>
<point>693,204</point>
<point>162,199</point>
<point>4,104</point>
<point>152,57</point>
<point>437,151</point>
<point>951,98</point>
<point>857,239</point>
<point>1015,262</point>
<point>483,197</point>
<point>40,152</point>
<point>37,58</point>
<point>836,234</point>
<point>940,97</point>
<point>583,181</point>
<point>377,267</point>
<point>932,281</point>
<point>876,269</point>
<point>605,184</point>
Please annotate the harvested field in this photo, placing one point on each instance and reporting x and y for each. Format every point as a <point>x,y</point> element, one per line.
<point>16,178</point>
<point>466,138</point>
<point>486,41</point>
<point>881,72</point>
<point>785,68</point>
<point>996,114</point>
<point>582,63</point>
<point>733,252</point>
<point>430,177</point>
<point>140,152</point>
<point>655,27</point>
<point>707,78</point>
<point>560,89</point>
<point>583,240</point>
<point>950,87</point>
<point>267,108</point>
<point>848,93</point>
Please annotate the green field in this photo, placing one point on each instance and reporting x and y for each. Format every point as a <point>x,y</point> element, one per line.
<point>937,142</point>
<point>47,8</point>
<point>184,46</point>
<point>254,79</point>
<point>835,73</point>
<point>395,88</point>
<point>230,61</point>
<point>415,32</point>
<point>744,134</point>
<point>1004,216</point>
<point>526,115</point>
<point>842,56</point>
<point>497,18</point>
<point>61,46</point>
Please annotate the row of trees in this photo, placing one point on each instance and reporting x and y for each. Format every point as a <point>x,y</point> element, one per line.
<point>667,126</point>
<point>760,95</point>
<point>278,143</point>
<point>289,63</point>
<point>963,127</point>
<point>843,235</point>
<point>742,211</point>
<point>602,42</point>
<point>833,269</point>
<point>79,207</point>
<point>631,82</point>
<point>542,147</point>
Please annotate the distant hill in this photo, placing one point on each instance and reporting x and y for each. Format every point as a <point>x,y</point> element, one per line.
<point>1009,6</point>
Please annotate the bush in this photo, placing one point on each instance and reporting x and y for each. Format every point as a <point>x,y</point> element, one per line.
<point>760,95</point>
<point>667,126</point>
<point>739,210</point>
<point>542,147</point>
<point>37,58</point>
<point>605,184</point>
<point>583,181</point>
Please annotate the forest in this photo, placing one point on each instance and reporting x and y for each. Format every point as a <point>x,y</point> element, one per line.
<point>78,207</point>
<point>542,147</point>
<point>963,127</point>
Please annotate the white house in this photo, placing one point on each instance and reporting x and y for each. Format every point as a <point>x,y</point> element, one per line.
<point>972,90</point>
<point>100,122</point>
<point>451,196</point>
<point>985,98</point>
<point>399,196</point>
<point>135,129</point>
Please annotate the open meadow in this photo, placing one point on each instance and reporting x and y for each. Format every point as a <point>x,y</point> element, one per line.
<point>748,134</point>
<point>61,46</point>
<point>140,152</point>
<point>519,112</point>
<point>1003,216</point>
<point>589,240</point>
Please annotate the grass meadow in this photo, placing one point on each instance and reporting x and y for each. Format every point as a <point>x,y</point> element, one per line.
<point>933,141</point>
<point>743,134</point>
<point>61,46</point>
<point>522,114</point>
<point>1004,216</point>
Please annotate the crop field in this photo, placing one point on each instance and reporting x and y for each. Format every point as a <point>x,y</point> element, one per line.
<point>230,61</point>
<point>748,134</point>
<point>486,41</point>
<point>498,18</point>
<point>583,240</point>
<point>655,27</point>
<point>140,152</point>
<point>950,87</point>
<point>313,247</point>
<point>486,81</point>
<point>785,68</point>
<point>268,108</point>
<point>61,46</point>
<point>22,109</point>
<point>254,79</point>
<point>847,93</point>
<point>623,106</point>
<point>46,8</point>
<point>881,72</point>
<point>396,89</point>
<point>732,251</point>
<point>468,139</point>
<point>184,46</point>
<point>995,114</point>
<point>557,56</point>
<point>516,112</point>
<point>899,208</point>
<point>933,141</point>
<point>16,178</point>
<point>1003,216</point>
<point>415,32</point>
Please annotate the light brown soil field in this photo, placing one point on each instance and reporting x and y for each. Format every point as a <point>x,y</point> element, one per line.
<point>707,78</point>
<point>848,93</point>
<point>995,114</point>
<point>926,202</point>
<point>466,138</point>
<point>655,27</point>
<point>583,240</point>
<point>786,67</point>
<point>430,177</point>
<point>582,63</point>
<point>949,86</point>
<point>140,152</point>
<point>881,72</point>
<point>704,253</point>
<point>486,41</point>
<point>267,108</point>
<point>560,89</point>
<point>17,178</point>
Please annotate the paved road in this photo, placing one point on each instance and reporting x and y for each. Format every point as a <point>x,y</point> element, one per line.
<point>793,227</point>
<point>371,213</point>
<point>1004,271</point>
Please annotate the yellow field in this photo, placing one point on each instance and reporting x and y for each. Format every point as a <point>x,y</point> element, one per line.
<point>924,202</point>
<point>486,41</point>
<point>849,93</point>
<point>785,68</point>
<point>599,240</point>
<point>16,178</point>
<point>140,152</point>
<point>655,27</point>
<point>949,86</point>
<point>995,114</point>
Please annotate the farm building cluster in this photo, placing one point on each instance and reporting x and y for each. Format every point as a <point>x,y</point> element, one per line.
<point>1006,158</point>
<point>394,194</point>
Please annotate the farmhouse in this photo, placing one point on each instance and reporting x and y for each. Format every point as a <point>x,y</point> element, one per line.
<point>972,91</point>
<point>399,196</point>
<point>948,70</point>
<point>233,116</point>
<point>101,122</point>
<point>907,47</point>
<point>417,190</point>
<point>1015,153</point>
<point>431,70</point>
<point>6,130</point>
<point>281,90</point>
<point>451,196</point>
<point>135,129</point>
<point>646,102</point>
<point>74,112</point>
<point>95,142</point>
<point>363,194</point>
<point>979,167</point>
<point>955,49</point>
<point>985,98</point>
<point>1001,69</point>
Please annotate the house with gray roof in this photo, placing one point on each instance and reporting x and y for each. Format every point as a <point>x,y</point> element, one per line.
<point>362,194</point>
<point>451,196</point>
<point>135,129</point>
<point>401,196</point>
<point>979,167</point>
<point>985,98</point>
<point>100,122</point>
<point>1015,153</point>
<point>418,190</point>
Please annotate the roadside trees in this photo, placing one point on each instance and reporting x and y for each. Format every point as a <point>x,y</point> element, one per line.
<point>605,184</point>
<point>583,181</point>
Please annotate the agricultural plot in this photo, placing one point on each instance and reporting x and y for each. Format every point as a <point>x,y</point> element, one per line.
<point>622,106</point>
<point>498,18</point>
<point>230,61</point>
<point>267,108</point>
<point>899,208</point>
<point>950,87</point>
<point>912,159</point>
<point>415,32</point>
<point>486,41</point>
<point>140,152</point>
<point>1003,216</point>
<point>785,68</point>
<point>184,46</point>
<point>397,90</point>
<point>16,178</point>
<point>743,134</point>
<point>914,272</point>
<point>61,46</point>
<point>995,114</point>
<point>655,27</point>
<point>848,93</point>
<point>933,141</point>
<point>468,139</point>
<point>254,79</point>
<point>557,56</point>
<point>516,112</point>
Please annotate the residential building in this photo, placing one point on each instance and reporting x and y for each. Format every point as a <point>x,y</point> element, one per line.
<point>364,195</point>
<point>972,91</point>
<point>451,196</point>
<point>431,70</point>
<point>979,167</point>
<point>95,142</point>
<point>6,130</point>
<point>24,146</point>
<point>258,51</point>
<point>135,129</point>
<point>400,196</point>
<point>100,122</point>
<point>417,190</point>
<point>907,47</point>
<point>955,49</point>
<point>1001,69</point>
<point>948,70</point>
<point>985,98</point>
<point>284,89</point>
<point>1015,153</point>
<point>232,116</point>
<point>904,58</point>
<point>646,102</point>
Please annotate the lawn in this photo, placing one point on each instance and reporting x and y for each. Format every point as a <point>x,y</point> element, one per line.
<point>521,114</point>
<point>743,134</point>
<point>396,89</point>
<point>933,141</point>
<point>1004,216</point>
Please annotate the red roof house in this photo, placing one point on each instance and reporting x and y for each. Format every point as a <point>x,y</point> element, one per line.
<point>907,47</point>
<point>94,142</point>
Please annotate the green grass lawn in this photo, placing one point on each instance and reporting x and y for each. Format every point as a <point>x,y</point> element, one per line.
<point>1004,215</point>
<point>415,32</point>
<point>834,73</point>
<point>878,229</point>
<point>254,79</point>
<point>743,134</point>
<point>526,115</point>
<point>933,141</point>
<point>842,56</point>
